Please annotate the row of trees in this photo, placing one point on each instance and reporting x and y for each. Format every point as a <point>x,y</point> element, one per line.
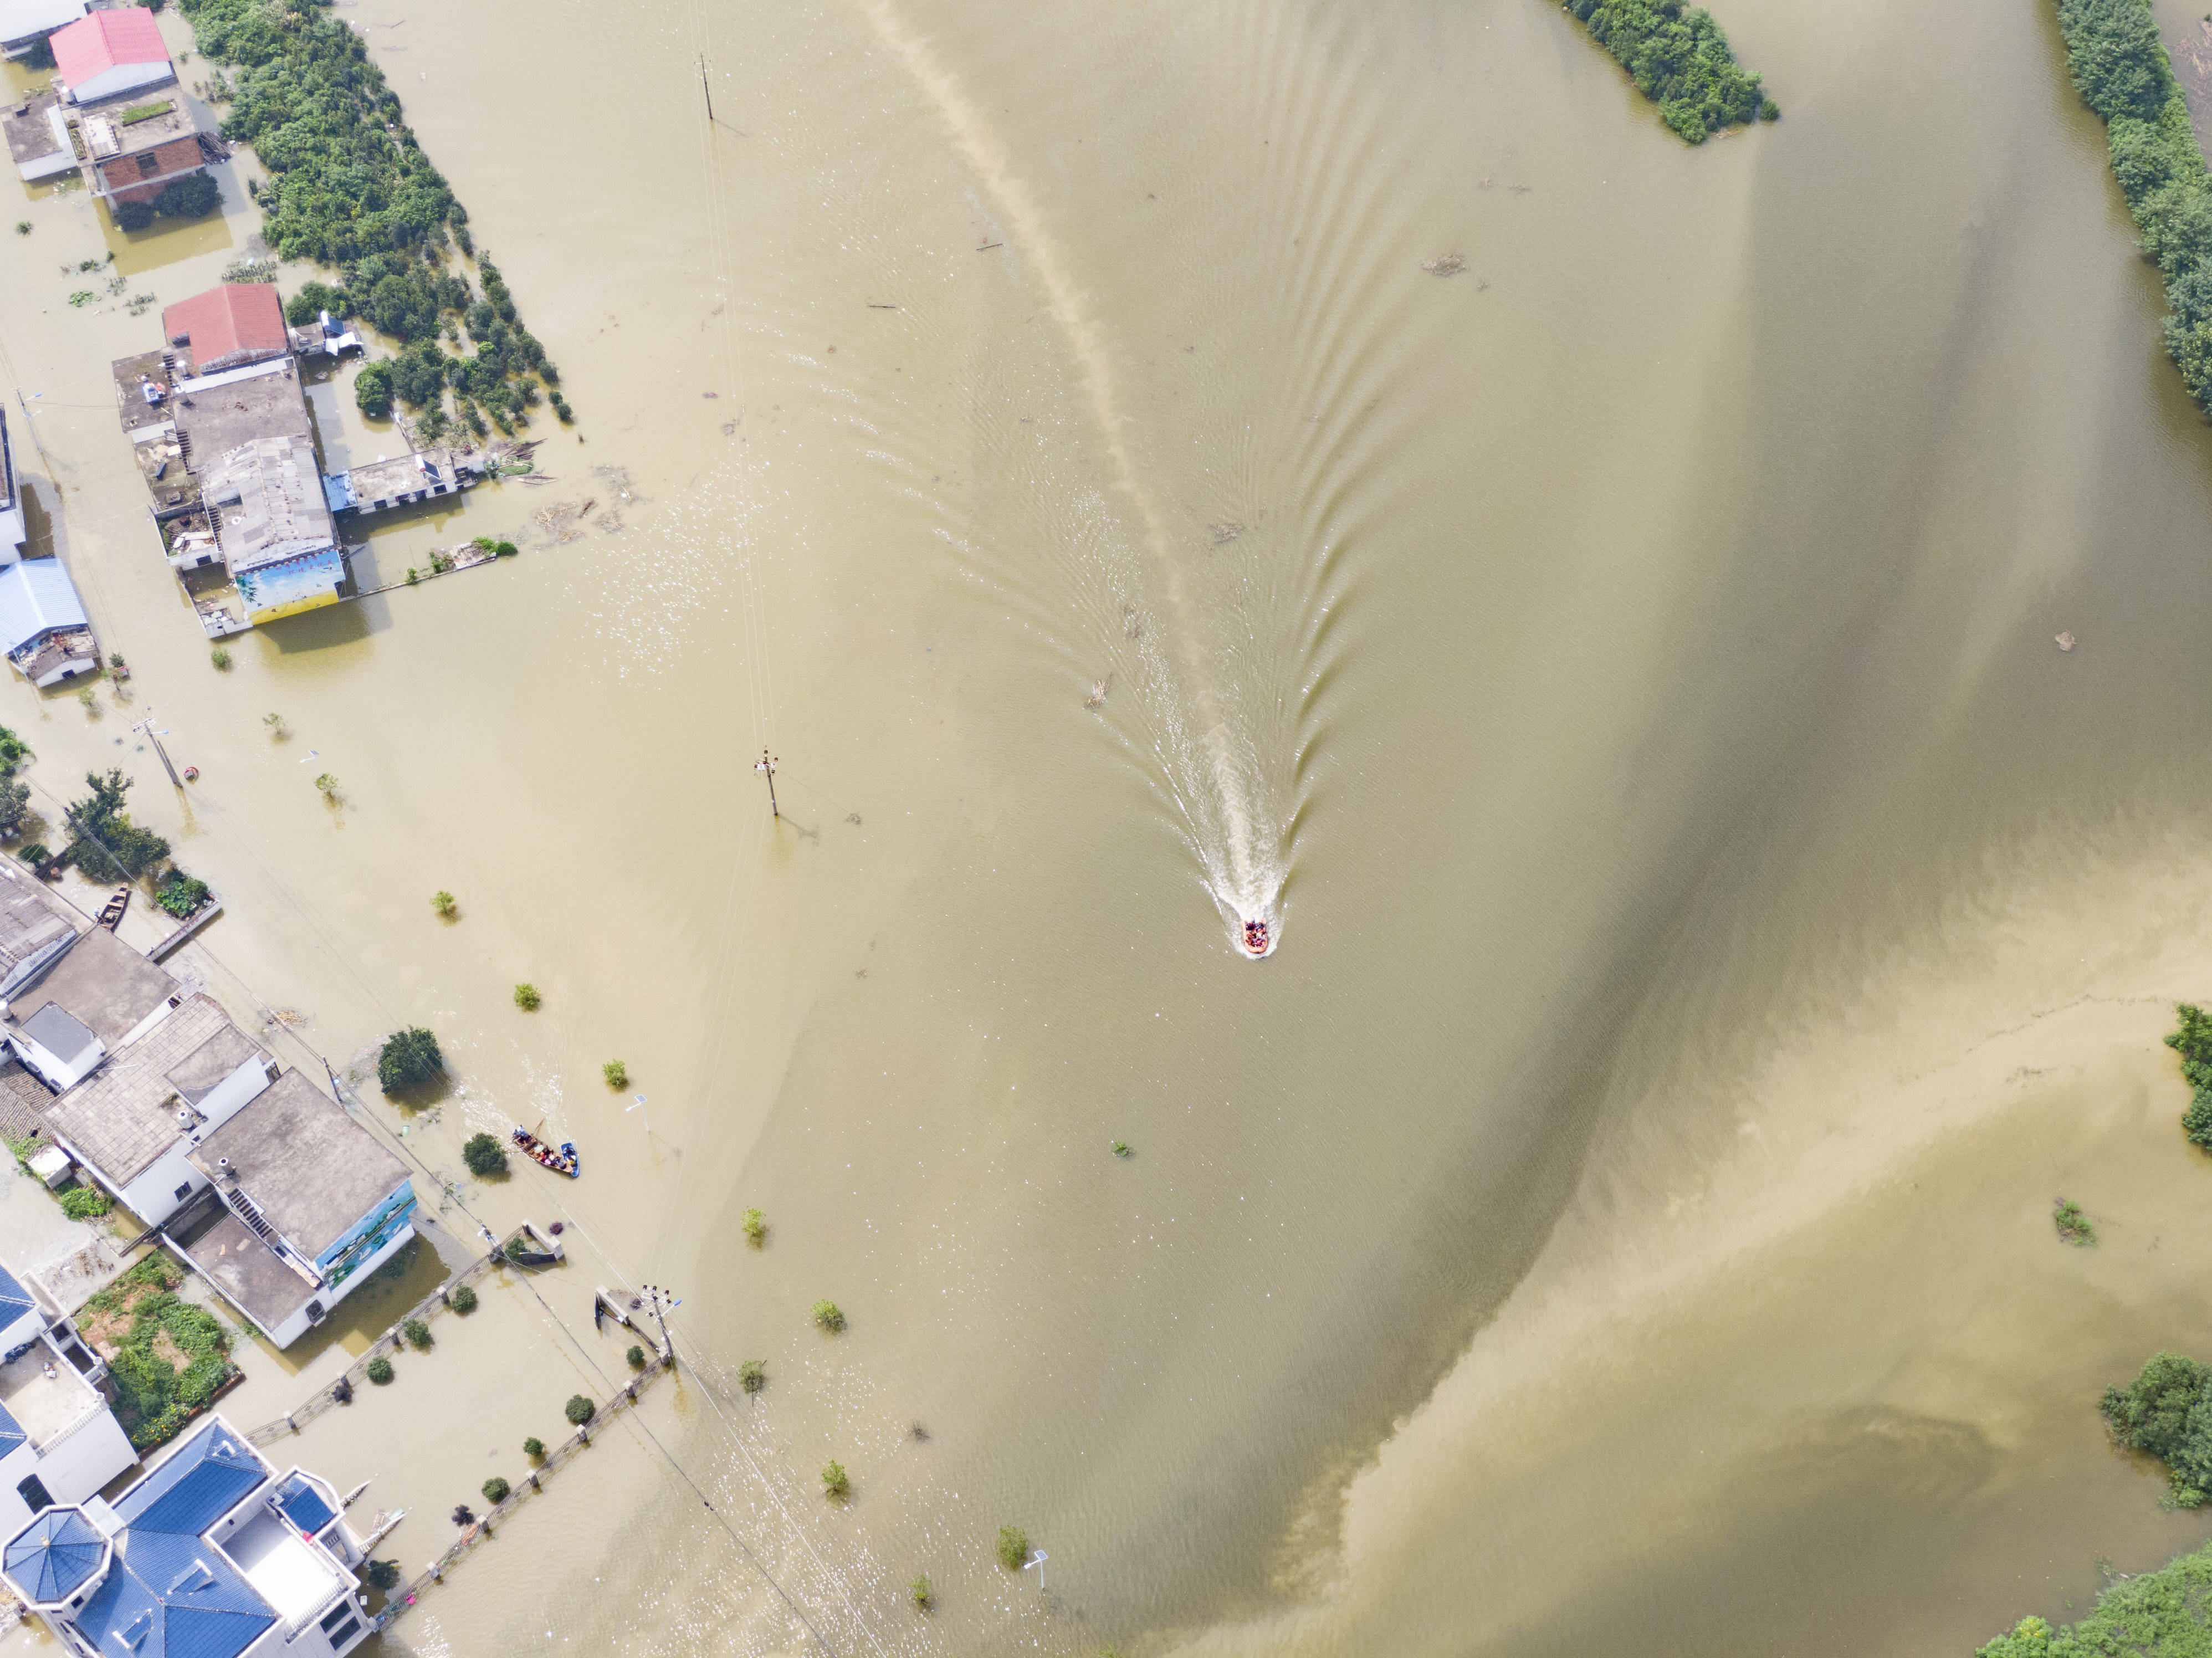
<point>2121,69</point>
<point>350,188</point>
<point>1679,59</point>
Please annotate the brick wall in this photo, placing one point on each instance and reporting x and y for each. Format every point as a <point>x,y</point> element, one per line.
<point>128,180</point>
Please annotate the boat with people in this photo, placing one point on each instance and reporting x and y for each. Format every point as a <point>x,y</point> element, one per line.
<point>1254,938</point>
<point>563,1162</point>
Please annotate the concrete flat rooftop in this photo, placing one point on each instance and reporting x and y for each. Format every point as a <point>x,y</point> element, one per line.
<point>30,131</point>
<point>107,985</point>
<point>214,420</point>
<point>45,1406</point>
<point>106,136</point>
<point>247,1271</point>
<point>313,1170</point>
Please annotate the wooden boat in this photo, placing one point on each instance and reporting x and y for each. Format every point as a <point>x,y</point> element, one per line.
<point>563,1162</point>
<point>111,916</point>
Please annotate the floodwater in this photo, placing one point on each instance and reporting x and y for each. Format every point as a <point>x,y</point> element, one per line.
<point>1715,918</point>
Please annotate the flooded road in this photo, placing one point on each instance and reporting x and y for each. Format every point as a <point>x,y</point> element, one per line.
<point>1714,920</point>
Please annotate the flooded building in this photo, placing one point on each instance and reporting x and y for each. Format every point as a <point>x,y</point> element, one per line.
<point>227,327</point>
<point>43,626</point>
<point>274,528</point>
<point>59,1441</point>
<point>133,153</point>
<point>14,532</point>
<point>383,484</point>
<point>213,1553</point>
<point>111,54</point>
<point>24,23</point>
<point>37,131</point>
<point>303,1202</point>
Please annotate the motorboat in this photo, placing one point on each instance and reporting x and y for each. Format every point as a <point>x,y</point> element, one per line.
<point>1254,939</point>
<point>563,1162</point>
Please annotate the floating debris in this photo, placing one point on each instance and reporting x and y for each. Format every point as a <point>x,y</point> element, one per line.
<point>1098,689</point>
<point>1445,264</point>
<point>2064,641</point>
<point>1226,531</point>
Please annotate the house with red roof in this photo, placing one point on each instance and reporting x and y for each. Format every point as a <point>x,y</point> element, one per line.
<point>227,327</point>
<point>108,54</point>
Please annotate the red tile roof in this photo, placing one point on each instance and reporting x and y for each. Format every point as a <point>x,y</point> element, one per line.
<point>237,319</point>
<point>100,40</point>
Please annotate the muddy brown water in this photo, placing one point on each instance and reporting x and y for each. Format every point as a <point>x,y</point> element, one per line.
<point>1714,920</point>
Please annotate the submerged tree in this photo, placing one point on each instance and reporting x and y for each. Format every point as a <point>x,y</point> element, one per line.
<point>409,1057</point>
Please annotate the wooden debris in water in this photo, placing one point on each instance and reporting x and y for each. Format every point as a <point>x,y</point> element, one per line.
<point>1226,531</point>
<point>1445,264</point>
<point>1098,689</point>
<point>2064,641</point>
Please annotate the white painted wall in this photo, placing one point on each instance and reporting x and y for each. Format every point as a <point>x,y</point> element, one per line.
<point>299,1324</point>
<point>123,78</point>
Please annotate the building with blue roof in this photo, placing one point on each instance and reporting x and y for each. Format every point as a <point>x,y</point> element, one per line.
<point>212,1553</point>
<point>59,1441</point>
<point>43,626</point>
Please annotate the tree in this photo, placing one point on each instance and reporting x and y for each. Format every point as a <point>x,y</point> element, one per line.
<point>312,300</point>
<point>834,1482</point>
<point>828,1315</point>
<point>496,1490</point>
<point>133,215</point>
<point>526,997</point>
<point>484,1156</point>
<point>2166,1412</point>
<point>409,1057</point>
<point>755,1227</point>
<point>372,390</point>
<point>108,846</point>
<point>14,801</point>
<point>193,196</point>
<point>1014,1548</point>
<point>579,1410</point>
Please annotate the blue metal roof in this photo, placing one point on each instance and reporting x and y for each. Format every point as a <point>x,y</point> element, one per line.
<point>171,1597</point>
<point>52,1556</point>
<point>303,1504</point>
<point>35,597</point>
<point>11,1432</point>
<point>14,1299</point>
<point>201,1481</point>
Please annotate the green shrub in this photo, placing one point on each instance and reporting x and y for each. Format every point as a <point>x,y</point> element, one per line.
<point>132,216</point>
<point>1014,1548</point>
<point>2158,1614</point>
<point>193,196</point>
<point>579,1410</point>
<point>2073,1225</point>
<point>180,894</point>
<point>636,1357</point>
<point>444,903</point>
<point>834,1482</point>
<point>827,1314</point>
<point>752,1375</point>
<point>496,1490</point>
<point>34,852</point>
<point>533,1446</point>
<point>1679,59</point>
<point>526,997</point>
<point>372,390</point>
<point>616,1073</point>
<point>408,1058</point>
<point>85,1203</point>
<point>462,1300</point>
<point>1120,1148</point>
<point>220,657</point>
<point>417,1334</point>
<point>924,1596</point>
<point>384,1574</point>
<point>755,1227</point>
<point>14,750</point>
<point>484,1156</point>
<point>379,1369</point>
<point>516,1248</point>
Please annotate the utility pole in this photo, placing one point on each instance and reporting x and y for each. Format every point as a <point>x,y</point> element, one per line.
<point>706,88</point>
<point>766,767</point>
<point>658,1299</point>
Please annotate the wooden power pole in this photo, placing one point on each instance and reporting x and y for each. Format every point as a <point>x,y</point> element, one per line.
<point>766,767</point>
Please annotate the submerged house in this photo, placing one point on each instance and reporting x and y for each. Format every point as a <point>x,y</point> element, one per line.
<point>273,525</point>
<point>58,1440</point>
<point>43,626</point>
<point>258,1179</point>
<point>213,1553</point>
<point>24,23</point>
<point>111,54</point>
<point>227,327</point>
